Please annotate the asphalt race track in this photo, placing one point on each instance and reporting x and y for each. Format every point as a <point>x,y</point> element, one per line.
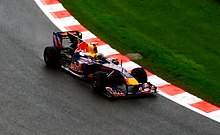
<point>35,99</point>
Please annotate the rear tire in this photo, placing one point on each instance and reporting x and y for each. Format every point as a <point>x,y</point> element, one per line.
<point>98,81</point>
<point>51,56</point>
<point>139,74</point>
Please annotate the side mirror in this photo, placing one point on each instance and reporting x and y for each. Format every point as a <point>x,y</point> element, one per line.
<point>115,61</point>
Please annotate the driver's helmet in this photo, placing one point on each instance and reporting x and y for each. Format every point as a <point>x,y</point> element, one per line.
<point>92,50</point>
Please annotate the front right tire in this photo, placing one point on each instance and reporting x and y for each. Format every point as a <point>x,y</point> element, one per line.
<point>139,74</point>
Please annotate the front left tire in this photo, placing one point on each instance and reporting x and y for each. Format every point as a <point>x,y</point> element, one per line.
<point>98,81</point>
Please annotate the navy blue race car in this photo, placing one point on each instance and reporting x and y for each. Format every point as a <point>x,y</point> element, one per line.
<point>107,76</point>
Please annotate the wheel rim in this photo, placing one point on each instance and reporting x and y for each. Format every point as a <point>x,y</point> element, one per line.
<point>46,57</point>
<point>95,83</point>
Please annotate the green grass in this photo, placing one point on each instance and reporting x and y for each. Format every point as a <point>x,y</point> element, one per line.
<point>178,39</point>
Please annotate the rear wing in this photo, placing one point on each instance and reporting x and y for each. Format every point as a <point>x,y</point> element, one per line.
<point>59,36</point>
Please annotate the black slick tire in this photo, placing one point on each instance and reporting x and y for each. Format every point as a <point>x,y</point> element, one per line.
<point>139,74</point>
<point>98,81</point>
<point>51,56</point>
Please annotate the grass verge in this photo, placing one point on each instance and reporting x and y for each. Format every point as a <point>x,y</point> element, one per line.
<point>179,40</point>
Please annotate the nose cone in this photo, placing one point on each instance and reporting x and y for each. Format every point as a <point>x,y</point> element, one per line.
<point>131,81</point>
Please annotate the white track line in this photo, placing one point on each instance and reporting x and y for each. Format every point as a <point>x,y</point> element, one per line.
<point>187,98</point>
<point>87,35</point>
<point>130,65</point>
<point>54,7</point>
<point>69,21</point>
<point>110,51</point>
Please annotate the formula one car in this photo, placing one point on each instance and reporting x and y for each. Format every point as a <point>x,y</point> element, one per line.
<point>106,75</point>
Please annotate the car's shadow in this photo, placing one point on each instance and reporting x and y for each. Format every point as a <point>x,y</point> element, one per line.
<point>129,97</point>
<point>87,83</point>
